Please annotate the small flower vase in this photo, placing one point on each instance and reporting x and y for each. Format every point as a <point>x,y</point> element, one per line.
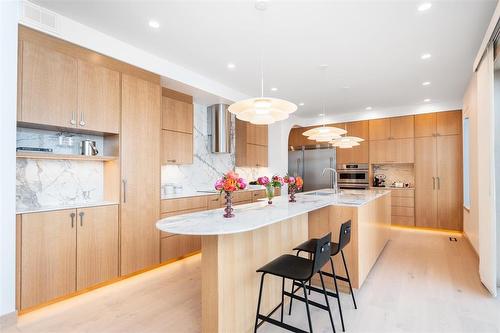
<point>228,211</point>
<point>270,194</point>
<point>292,194</point>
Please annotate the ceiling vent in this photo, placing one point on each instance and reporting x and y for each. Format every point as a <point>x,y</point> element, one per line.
<point>39,17</point>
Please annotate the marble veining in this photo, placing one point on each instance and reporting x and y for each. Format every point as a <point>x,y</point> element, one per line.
<point>260,214</point>
<point>51,183</point>
<point>206,167</point>
<point>59,142</point>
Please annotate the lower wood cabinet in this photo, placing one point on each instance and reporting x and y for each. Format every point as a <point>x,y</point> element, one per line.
<point>179,245</point>
<point>403,207</point>
<point>66,250</point>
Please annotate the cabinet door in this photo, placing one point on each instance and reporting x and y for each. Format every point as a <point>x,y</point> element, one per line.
<point>380,151</point>
<point>357,154</point>
<point>257,134</point>
<point>140,157</point>
<point>425,125</point>
<point>98,98</point>
<point>257,155</point>
<point>48,253</point>
<point>259,194</point>
<point>176,115</point>
<point>449,123</point>
<point>425,183</point>
<point>380,129</point>
<point>178,246</point>
<point>97,245</point>
<point>177,148</point>
<point>49,87</point>
<point>402,127</point>
<point>403,150</point>
<point>449,182</point>
<point>215,201</point>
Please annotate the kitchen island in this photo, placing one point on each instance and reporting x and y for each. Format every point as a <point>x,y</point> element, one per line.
<point>233,249</point>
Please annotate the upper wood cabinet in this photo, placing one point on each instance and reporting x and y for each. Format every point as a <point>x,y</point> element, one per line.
<point>176,148</point>
<point>392,128</point>
<point>140,170</point>
<point>392,151</point>
<point>251,144</point>
<point>439,123</point>
<point>296,139</point>
<point>357,154</point>
<point>48,87</point>
<point>98,98</point>
<point>176,115</point>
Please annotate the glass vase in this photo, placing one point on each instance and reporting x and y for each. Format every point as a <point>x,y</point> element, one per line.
<point>228,211</point>
<point>270,194</point>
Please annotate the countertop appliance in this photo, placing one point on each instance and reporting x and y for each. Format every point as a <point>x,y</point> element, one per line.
<point>89,148</point>
<point>379,180</point>
<point>309,164</point>
<point>353,176</point>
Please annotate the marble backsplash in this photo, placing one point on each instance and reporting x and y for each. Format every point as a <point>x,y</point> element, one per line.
<point>206,167</point>
<point>396,173</point>
<point>56,183</point>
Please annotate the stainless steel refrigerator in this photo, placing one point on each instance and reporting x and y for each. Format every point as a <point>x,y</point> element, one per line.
<point>309,164</point>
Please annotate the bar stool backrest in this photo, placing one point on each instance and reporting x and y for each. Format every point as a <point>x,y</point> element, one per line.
<point>322,252</point>
<point>345,234</point>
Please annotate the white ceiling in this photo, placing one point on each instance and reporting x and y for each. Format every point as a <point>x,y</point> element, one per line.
<point>372,47</point>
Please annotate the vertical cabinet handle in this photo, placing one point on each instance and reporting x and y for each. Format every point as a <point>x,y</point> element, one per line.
<point>81,218</point>
<point>124,181</point>
<point>433,183</point>
<point>439,183</point>
<point>73,118</point>
<point>72,219</point>
<point>82,119</point>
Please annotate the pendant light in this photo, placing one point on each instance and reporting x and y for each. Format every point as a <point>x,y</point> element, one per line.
<point>346,141</point>
<point>324,133</point>
<point>262,110</point>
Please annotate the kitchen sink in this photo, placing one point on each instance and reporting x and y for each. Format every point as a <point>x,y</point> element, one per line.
<point>319,193</point>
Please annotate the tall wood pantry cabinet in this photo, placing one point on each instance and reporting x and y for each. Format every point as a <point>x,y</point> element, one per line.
<point>438,170</point>
<point>140,169</point>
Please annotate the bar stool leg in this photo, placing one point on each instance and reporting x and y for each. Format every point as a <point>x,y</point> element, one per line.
<point>326,299</point>
<point>291,298</point>
<point>310,258</point>
<point>307,307</point>
<point>258,303</point>
<point>338,294</point>
<point>349,279</point>
<point>282,297</point>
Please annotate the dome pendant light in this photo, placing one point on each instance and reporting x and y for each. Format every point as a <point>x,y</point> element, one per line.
<point>262,110</point>
<point>346,141</point>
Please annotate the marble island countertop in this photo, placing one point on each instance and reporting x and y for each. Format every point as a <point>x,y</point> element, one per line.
<point>259,214</point>
<point>187,194</point>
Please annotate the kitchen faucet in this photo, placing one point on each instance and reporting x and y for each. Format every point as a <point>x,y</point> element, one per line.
<point>334,185</point>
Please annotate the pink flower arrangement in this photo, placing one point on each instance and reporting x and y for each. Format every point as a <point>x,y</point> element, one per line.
<point>230,182</point>
<point>295,183</point>
<point>270,185</point>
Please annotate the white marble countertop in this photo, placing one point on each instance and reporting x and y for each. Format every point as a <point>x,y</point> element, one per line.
<point>52,208</point>
<point>188,194</point>
<point>259,214</point>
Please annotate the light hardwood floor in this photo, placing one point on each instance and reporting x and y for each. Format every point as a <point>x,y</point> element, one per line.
<point>421,283</point>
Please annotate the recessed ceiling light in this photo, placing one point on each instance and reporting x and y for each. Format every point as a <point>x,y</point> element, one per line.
<point>154,24</point>
<point>425,56</point>
<point>427,100</point>
<point>424,6</point>
<point>301,103</point>
<point>368,108</point>
<point>321,114</point>
<point>426,83</point>
<point>346,87</point>
<point>274,89</point>
<point>231,65</point>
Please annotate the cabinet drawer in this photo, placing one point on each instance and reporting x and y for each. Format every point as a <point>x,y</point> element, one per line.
<point>239,197</point>
<point>174,205</point>
<point>258,194</point>
<point>403,202</point>
<point>408,221</point>
<point>178,246</point>
<point>403,211</point>
<point>215,201</point>
<point>410,193</point>
<point>180,212</point>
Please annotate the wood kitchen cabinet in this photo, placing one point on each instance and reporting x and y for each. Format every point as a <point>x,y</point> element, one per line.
<point>438,182</point>
<point>48,253</point>
<point>48,86</point>
<point>64,251</point>
<point>98,98</point>
<point>296,139</point>
<point>392,151</point>
<point>97,245</point>
<point>176,115</point>
<point>357,154</point>
<point>140,170</point>
<point>251,145</point>
<point>391,128</point>
<point>438,123</point>
<point>176,147</point>
<point>403,207</point>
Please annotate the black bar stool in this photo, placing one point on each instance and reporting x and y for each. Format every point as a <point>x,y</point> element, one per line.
<point>309,247</point>
<point>300,270</point>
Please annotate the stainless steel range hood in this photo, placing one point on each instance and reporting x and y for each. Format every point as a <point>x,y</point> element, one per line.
<point>220,122</point>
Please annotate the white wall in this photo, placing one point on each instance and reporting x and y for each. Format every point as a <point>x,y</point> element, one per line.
<point>497,165</point>
<point>8,93</point>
